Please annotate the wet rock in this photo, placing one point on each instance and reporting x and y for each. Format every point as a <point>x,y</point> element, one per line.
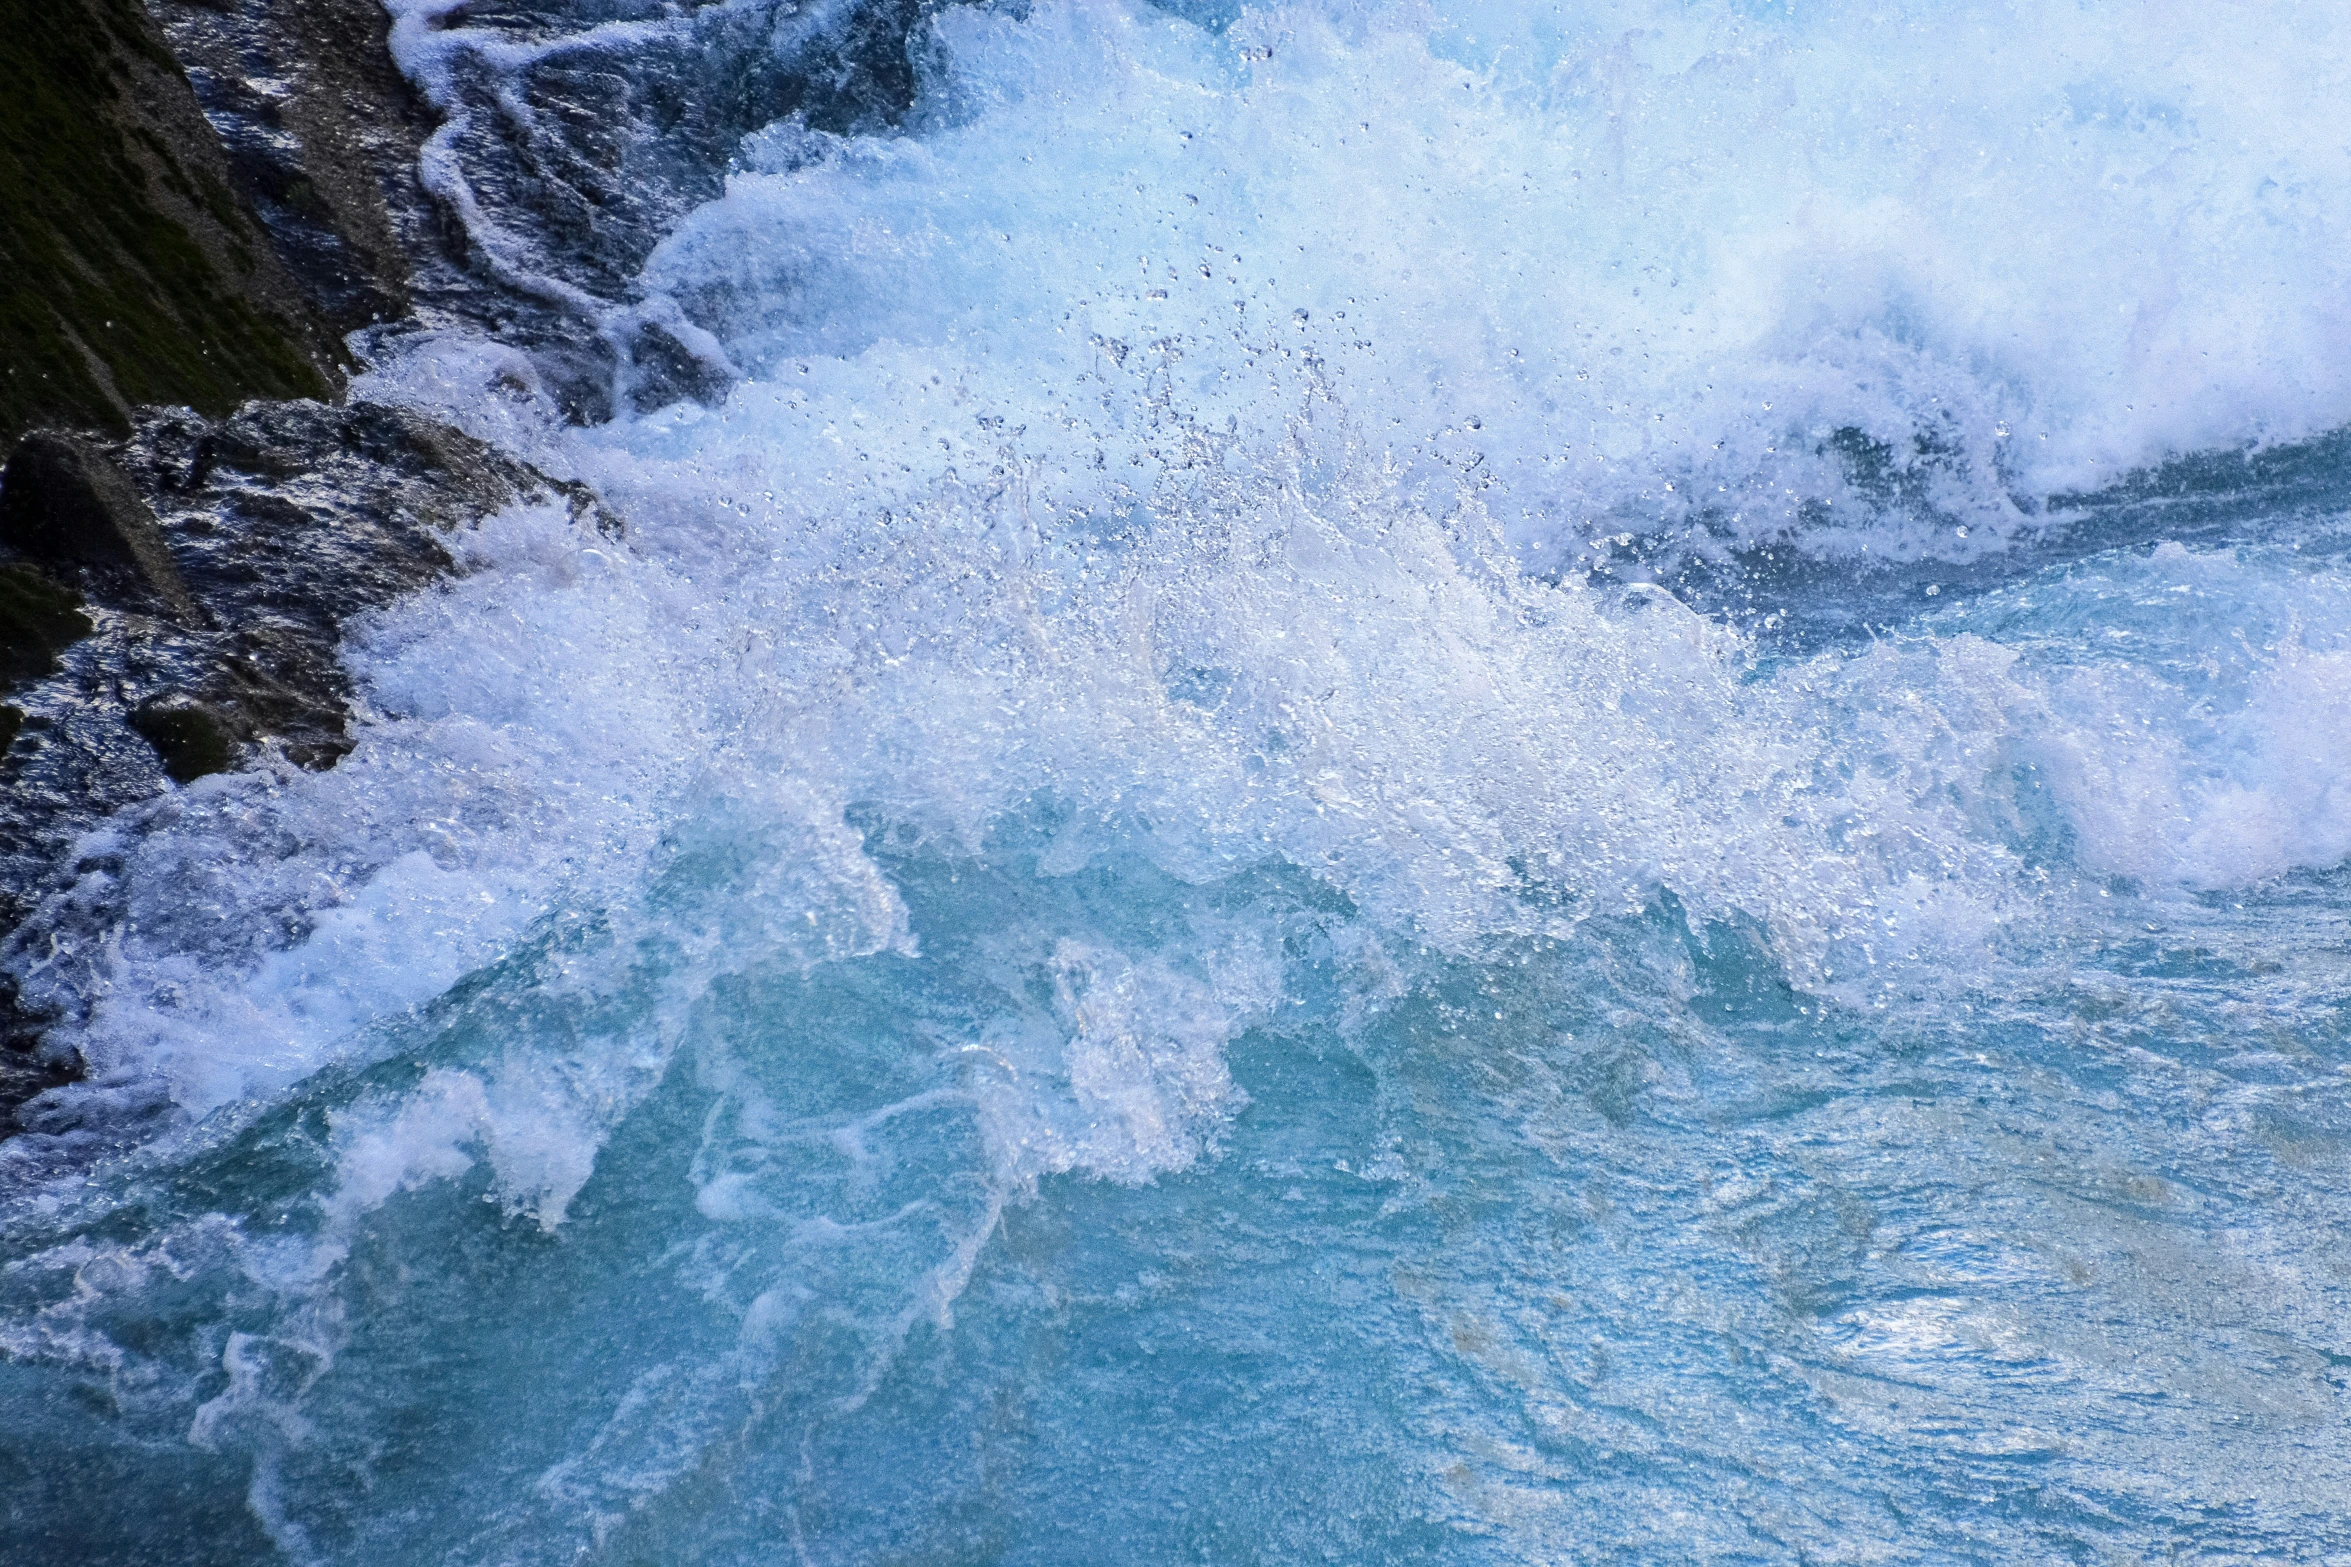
<point>131,271</point>
<point>571,163</point>
<point>322,135</point>
<point>191,738</point>
<point>279,525</point>
<point>663,370</point>
<point>585,161</point>
<point>291,518</point>
<point>64,503</point>
<point>173,593</point>
<point>38,620</point>
<point>24,1070</point>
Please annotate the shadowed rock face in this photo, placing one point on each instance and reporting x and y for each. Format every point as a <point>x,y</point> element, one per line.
<point>38,620</point>
<point>131,272</point>
<point>66,506</point>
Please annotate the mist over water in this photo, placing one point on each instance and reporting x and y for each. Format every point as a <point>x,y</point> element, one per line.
<point>1368,783</point>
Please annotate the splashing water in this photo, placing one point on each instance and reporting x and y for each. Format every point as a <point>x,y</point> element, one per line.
<point>1374,784</point>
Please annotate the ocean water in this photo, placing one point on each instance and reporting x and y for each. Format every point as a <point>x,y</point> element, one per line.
<point>1370,783</point>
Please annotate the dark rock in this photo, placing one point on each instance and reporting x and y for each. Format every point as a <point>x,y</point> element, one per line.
<point>663,370</point>
<point>192,738</point>
<point>169,252</point>
<point>63,502</point>
<point>24,1070</point>
<point>280,525</point>
<point>293,517</point>
<point>582,158</point>
<point>131,272</point>
<point>38,621</point>
<point>322,134</point>
<point>172,599</point>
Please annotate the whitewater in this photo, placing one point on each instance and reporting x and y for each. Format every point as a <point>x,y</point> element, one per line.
<point>1368,782</point>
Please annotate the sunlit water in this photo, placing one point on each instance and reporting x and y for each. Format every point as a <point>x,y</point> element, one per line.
<point>1399,785</point>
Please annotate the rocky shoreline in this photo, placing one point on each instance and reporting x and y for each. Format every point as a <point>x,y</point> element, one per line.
<point>189,513</point>
<point>210,212</point>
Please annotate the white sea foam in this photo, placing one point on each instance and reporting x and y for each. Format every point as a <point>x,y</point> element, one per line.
<point>2210,754</point>
<point>1161,431</point>
<point>1598,255</point>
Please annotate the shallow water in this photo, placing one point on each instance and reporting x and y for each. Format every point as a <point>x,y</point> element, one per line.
<point>1382,784</point>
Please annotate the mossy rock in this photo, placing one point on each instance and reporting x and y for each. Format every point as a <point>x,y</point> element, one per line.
<point>130,274</point>
<point>38,621</point>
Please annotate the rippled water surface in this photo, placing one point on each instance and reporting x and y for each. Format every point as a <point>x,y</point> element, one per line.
<point>1372,784</point>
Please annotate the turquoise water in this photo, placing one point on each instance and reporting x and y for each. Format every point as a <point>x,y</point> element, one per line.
<point>1137,920</point>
